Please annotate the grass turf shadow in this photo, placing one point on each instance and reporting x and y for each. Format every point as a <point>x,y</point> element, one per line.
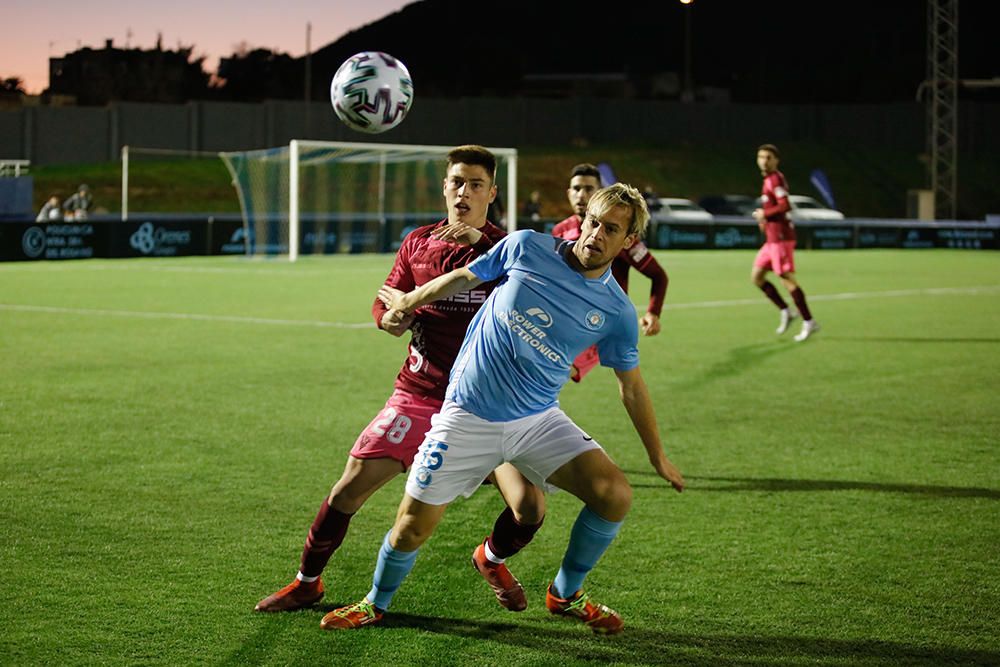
<point>569,643</point>
<point>738,361</point>
<point>723,484</point>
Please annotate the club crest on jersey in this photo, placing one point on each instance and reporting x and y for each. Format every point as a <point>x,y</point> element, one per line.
<point>594,319</point>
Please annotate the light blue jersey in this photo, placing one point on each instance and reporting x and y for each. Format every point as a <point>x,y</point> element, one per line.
<point>519,347</point>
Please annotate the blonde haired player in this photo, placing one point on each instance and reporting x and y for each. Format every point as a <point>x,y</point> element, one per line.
<point>556,298</point>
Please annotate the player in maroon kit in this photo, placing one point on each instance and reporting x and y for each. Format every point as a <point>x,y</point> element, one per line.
<point>778,252</point>
<point>584,181</point>
<point>386,447</point>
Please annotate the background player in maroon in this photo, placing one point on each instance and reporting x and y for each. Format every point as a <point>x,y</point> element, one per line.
<point>778,252</point>
<point>584,181</point>
<point>386,447</point>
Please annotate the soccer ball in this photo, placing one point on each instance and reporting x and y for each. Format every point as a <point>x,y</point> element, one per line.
<point>371,92</point>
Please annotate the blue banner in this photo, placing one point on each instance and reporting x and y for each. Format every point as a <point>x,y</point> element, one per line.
<point>607,174</point>
<point>822,185</point>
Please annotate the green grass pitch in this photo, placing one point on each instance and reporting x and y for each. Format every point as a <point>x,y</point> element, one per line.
<point>168,428</point>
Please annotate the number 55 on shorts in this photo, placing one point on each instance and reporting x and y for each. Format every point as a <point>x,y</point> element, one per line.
<point>429,458</point>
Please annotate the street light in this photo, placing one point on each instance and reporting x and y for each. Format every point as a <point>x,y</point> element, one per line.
<point>687,94</point>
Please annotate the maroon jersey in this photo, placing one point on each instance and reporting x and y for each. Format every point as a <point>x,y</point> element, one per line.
<point>439,327</point>
<point>569,228</point>
<point>638,257</point>
<point>774,201</point>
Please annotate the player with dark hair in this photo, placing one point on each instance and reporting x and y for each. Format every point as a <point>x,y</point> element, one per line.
<point>555,299</point>
<point>386,447</point>
<point>778,252</point>
<point>584,181</point>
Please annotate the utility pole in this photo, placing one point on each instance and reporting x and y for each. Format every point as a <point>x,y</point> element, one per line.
<point>687,94</point>
<point>308,82</point>
<point>942,104</point>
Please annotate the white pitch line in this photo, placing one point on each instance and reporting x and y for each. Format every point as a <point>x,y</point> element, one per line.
<point>184,316</point>
<point>848,296</point>
<point>843,296</point>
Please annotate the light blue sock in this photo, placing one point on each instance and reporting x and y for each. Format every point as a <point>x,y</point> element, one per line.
<point>588,541</point>
<point>390,570</point>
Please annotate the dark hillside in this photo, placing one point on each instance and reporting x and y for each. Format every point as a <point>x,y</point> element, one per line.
<point>782,51</point>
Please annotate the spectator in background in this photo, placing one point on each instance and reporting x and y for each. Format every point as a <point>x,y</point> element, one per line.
<point>50,211</point>
<point>652,199</point>
<point>496,213</point>
<point>533,207</point>
<point>77,206</point>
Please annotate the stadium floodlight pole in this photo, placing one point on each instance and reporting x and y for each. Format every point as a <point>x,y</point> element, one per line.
<point>308,81</point>
<point>687,94</point>
<point>293,200</point>
<point>125,183</point>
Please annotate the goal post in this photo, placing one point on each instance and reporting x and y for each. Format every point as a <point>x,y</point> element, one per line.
<point>315,197</point>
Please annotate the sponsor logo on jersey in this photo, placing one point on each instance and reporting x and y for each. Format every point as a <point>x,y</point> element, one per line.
<point>468,296</point>
<point>529,327</point>
<point>540,316</point>
<point>594,320</point>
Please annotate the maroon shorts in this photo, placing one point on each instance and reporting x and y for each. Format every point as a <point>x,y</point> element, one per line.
<point>398,429</point>
<point>586,362</point>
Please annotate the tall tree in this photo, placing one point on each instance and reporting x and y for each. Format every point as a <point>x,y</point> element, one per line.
<point>13,85</point>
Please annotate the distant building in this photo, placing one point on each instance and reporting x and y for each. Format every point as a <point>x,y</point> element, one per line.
<point>99,76</point>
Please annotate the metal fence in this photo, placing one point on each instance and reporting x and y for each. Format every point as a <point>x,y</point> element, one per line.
<point>53,135</point>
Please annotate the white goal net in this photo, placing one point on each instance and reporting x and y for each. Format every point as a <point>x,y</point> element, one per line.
<point>316,197</point>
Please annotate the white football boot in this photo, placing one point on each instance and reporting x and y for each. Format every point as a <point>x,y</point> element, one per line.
<point>809,327</point>
<point>787,316</point>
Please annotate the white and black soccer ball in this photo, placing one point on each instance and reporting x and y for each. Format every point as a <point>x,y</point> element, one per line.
<point>371,92</point>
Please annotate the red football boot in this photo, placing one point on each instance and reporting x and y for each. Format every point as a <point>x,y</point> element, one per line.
<point>295,595</point>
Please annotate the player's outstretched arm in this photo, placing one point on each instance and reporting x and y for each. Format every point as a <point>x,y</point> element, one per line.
<point>442,287</point>
<point>635,397</point>
<point>644,262</point>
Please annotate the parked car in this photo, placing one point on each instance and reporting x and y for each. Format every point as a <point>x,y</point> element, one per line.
<point>674,208</point>
<point>807,208</point>
<point>739,205</point>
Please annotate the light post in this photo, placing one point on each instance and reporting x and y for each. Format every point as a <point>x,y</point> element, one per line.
<point>308,81</point>
<point>687,93</point>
